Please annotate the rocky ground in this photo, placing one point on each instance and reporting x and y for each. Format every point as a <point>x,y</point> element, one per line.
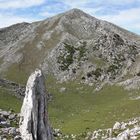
<point>9,125</point>
<point>127,130</point>
<point>17,89</point>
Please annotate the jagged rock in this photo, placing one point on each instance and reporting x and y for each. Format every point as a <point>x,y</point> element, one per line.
<point>2,118</point>
<point>123,126</point>
<point>129,84</point>
<point>124,135</point>
<point>34,123</point>
<point>117,126</point>
<point>12,131</point>
<point>129,130</point>
<point>63,89</point>
<point>4,113</point>
<point>17,138</point>
<point>12,116</point>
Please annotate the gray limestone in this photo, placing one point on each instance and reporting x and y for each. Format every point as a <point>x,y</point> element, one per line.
<point>34,123</point>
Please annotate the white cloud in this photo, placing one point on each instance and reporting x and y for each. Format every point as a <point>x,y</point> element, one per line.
<point>79,3</point>
<point>47,14</point>
<point>8,20</point>
<point>6,4</point>
<point>67,5</point>
<point>122,2</point>
<point>128,19</point>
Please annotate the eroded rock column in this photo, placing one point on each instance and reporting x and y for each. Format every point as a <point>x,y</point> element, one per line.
<point>34,123</point>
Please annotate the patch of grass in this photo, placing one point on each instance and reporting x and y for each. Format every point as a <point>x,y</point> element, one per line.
<point>14,73</point>
<point>8,101</point>
<point>80,108</point>
<point>82,50</point>
<point>98,61</point>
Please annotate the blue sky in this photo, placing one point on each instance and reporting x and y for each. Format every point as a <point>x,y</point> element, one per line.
<point>125,13</point>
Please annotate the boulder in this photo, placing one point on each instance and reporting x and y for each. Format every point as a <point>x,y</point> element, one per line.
<point>5,113</point>
<point>117,126</point>
<point>34,124</point>
<point>12,116</point>
<point>12,131</point>
<point>125,135</point>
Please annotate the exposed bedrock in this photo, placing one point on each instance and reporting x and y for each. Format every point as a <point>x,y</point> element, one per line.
<point>34,123</point>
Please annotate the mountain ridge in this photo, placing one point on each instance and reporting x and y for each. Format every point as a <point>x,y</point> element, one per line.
<point>69,45</point>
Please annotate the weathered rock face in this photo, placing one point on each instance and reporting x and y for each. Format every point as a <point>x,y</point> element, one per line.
<point>34,116</point>
<point>71,45</point>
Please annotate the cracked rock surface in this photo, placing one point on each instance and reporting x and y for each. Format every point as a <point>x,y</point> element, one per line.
<point>34,123</point>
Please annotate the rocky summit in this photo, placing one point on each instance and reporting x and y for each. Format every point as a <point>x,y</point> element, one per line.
<point>71,45</point>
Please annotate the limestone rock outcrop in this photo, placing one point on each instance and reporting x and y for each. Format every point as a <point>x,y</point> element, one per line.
<point>34,123</point>
<point>128,130</point>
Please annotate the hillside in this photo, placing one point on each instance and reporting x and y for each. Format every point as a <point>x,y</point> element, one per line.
<point>70,45</point>
<point>92,69</point>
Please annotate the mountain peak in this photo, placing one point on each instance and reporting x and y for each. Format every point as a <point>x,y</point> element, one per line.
<point>75,12</point>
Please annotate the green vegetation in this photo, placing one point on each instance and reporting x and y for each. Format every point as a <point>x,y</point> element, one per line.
<point>8,101</point>
<point>112,68</point>
<point>98,72</point>
<point>12,73</point>
<point>82,50</point>
<point>67,58</point>
<point>80,108</point>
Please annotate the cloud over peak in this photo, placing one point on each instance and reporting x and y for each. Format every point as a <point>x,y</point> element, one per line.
<point>124,13</point>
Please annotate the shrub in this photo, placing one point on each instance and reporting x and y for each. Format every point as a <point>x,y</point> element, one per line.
<point>112,68</point>
<point>66,59</point>
<point>98,72</point>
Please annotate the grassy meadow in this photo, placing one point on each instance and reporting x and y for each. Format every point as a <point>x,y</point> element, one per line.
<point>80,108</point>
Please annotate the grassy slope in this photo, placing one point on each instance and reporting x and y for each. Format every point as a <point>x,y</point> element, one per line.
<point>13,72</point>
<point>8,101</point>
<point>79,108</point>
